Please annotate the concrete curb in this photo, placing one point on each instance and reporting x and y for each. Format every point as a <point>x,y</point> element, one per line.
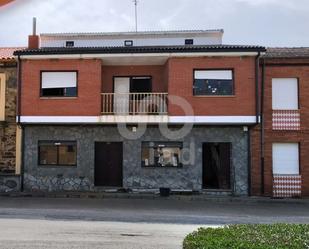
<point>153,196</point>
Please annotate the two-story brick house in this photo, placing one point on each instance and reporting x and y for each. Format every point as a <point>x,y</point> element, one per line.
<point>138,110</point>
<point>280,144</point>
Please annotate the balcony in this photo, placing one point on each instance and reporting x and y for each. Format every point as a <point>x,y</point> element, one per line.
<point>134,103</point>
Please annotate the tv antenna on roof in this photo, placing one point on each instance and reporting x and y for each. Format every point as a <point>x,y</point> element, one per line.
<point>135,5</point>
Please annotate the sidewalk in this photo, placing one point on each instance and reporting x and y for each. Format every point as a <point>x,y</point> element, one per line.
<point>153,196</point>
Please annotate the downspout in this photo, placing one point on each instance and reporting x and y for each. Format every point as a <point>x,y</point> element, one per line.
<point>257,117</point>
<point>257,95</point>
<point>18,89</point>
<point>249,161</point>
<point>19,67</point>
<point>262,132</point>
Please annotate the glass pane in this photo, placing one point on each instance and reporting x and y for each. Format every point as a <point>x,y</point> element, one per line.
<point>213,87</point>
<point>70,92</point>
<point>168,156</point>
<point>48,154</point>
<point>67,154</point>
<point>59,92</point>
<point>52,92</point>
<point>161,154</point>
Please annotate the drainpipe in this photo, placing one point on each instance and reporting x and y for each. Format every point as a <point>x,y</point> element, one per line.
<point>18,89</point>
<point>257,100</point>
<point>262,132</point>
<point>249,161</point>
<point>257,115</point>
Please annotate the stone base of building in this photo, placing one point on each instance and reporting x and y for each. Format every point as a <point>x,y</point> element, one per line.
<point>134,176</point>
<point>9,183</point>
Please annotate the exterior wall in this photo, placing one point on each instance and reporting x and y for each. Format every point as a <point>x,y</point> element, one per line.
<point>89,88</point>
<point>139,39</point>
<point>176,77</point>
<point>181,78</point>
<point>38,178</point>
<point>159,82</point>
<point>8,126</point>
<point>9,183</point>
<point>292,69</point>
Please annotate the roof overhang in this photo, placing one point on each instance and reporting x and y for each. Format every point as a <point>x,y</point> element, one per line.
<point>136,58</point>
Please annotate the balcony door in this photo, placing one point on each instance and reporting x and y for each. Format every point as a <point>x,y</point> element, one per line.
<point>121,97</point>
<point>131,94</point>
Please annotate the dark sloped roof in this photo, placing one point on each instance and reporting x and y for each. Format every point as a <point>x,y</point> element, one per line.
<point>300,52</point>
<point>144,49</point>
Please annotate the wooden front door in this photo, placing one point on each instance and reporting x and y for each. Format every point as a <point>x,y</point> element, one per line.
<point>108,164</point>
<point>217,166</point>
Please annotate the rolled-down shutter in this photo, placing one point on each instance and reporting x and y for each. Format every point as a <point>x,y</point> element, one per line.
<point>285,94</point>
<point>213,74</point>
<point>285,158</point>
<point>58,79</point>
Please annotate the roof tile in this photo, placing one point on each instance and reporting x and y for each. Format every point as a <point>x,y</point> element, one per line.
<point>8,53</point>
<point>143,49</point>
<point>300,52</point>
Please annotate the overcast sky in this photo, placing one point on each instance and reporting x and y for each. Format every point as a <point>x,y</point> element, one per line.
<point>251,22</point>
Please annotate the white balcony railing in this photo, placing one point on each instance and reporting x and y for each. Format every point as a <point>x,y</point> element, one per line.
<point>134,103</point>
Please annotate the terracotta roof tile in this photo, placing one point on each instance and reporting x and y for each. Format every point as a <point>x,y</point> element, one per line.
<point>7,53</point>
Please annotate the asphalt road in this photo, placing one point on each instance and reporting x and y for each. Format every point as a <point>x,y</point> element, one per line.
<point>126,223</point>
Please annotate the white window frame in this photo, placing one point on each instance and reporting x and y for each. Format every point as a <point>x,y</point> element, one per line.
<point>58,79</point>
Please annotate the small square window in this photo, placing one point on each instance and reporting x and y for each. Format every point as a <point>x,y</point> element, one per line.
<point>188,41</point>
<point>128,43</point>
<point>69,43</point>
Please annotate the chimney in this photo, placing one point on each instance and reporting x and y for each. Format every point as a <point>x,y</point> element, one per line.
<point>33,40</point>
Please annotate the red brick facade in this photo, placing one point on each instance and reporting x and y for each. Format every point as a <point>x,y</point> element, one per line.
<point>175,77</point>
<point>284,68</point>
<point>181,81</point>
<point>87,102</point>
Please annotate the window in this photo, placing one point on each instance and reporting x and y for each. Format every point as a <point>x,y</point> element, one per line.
<point>2,97</point>
<point>128,43</point>
<point>58,84</point>
<point>285,94</point>
<point>285,158</point>
<point>188,41</point>
<point>58,153</point>
<point>161,154</point>
<point>213,82</point>
<point>69,43</point>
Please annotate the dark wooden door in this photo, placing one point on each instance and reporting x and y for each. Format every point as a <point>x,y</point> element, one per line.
<point>108,164</point>
<point>217,166</point>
